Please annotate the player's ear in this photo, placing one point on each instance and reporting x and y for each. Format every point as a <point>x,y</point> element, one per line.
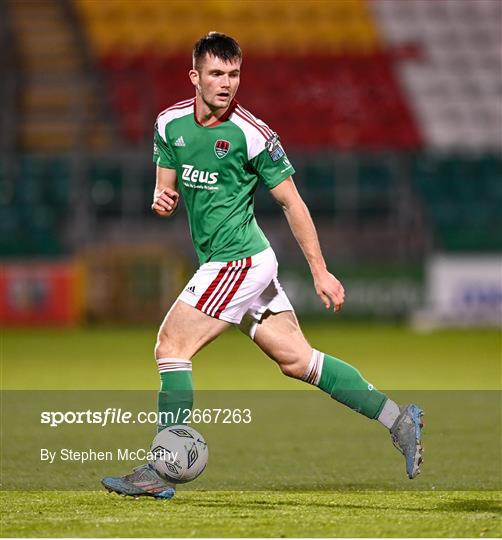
<point>194,77</point>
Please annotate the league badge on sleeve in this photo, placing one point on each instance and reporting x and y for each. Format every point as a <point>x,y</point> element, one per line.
<point>274,148</point>
<point>221,148</point>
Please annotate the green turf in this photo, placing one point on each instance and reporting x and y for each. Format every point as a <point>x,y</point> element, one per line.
<point>390,357</point>
<point>261,514</point>
<point>393,358</point>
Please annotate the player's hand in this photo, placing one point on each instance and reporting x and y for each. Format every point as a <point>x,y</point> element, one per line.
<point>165,202</point>
<point>329,290</point>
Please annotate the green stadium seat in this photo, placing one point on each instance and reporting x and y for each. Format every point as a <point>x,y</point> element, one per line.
<point>462,196</point>
<point>375,182</point>
<point>57,184</point>
<point>105,188</point>
<point>316,183</point>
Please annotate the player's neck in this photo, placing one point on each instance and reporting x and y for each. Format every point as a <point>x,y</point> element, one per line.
<point>205,115</point>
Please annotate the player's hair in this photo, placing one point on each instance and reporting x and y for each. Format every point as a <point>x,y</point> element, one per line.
<point>218,45</point>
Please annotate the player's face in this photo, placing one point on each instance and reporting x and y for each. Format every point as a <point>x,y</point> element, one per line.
<point>217,81</point>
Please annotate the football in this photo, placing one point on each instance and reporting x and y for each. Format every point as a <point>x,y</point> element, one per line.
<point>179,454</point>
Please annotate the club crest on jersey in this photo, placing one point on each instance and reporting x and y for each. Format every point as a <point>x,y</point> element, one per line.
<point>221,148</point>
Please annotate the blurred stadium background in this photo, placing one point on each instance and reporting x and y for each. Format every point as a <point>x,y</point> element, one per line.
<point>390,110</point>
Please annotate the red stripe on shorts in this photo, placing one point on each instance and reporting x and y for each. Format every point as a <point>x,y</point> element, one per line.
<point>229,279</point>
<point>234,289</point>
<point>214,284</point>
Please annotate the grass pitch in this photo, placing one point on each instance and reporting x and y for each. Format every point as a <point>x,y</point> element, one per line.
<point>392,358</point>
<point>258,514</point>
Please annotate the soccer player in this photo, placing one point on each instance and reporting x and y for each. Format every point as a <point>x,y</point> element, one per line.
<point>213,152</point>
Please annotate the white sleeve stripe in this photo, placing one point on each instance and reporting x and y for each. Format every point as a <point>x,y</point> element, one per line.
<point>171,114</point>
<point>256,121</point>
<point>185,102</point>
<point>255,140</point>
<point>259,128</point>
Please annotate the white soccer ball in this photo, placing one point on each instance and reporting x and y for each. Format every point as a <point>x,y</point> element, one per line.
<point>179,454</point>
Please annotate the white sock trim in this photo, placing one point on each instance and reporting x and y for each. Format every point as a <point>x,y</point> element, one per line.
<point>173,364</point>
<point>313,372</point>
<point>389,413</point>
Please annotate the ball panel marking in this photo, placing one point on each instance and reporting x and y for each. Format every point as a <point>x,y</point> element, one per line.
<point>180,454</point>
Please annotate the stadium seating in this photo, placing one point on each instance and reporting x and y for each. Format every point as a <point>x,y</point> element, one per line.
<point>174,26</point>
<point>34,208</point>
<point>330,54</point>
<point>453,79</point>
<point>56,89</point>
<point>355,78</point>
<point>462,199</point>
<point>357,97</point>
<point>455,90</point>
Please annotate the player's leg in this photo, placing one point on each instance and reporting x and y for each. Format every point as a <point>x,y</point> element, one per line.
<point>280,337</point>
<point>184,331</point>
<point>215,297</point>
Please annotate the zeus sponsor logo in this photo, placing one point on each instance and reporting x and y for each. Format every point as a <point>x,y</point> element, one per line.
<point>190,173</point>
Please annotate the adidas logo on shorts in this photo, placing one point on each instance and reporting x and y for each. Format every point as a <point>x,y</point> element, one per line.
<point>191,289</point>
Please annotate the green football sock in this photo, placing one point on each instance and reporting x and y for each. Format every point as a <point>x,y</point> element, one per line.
<point>175,398</point>
<point>344,383</point>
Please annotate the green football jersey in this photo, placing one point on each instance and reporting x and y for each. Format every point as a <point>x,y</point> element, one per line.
<point>218,169</point>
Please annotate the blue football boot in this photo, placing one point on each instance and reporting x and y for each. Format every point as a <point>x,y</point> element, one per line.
<point>406,436</point>
<point>143,481</point>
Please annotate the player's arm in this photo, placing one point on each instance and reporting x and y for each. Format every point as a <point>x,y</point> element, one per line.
<point>327,286</point>
<point>165,196</point>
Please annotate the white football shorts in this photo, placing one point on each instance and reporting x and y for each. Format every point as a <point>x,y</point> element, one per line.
<point>238,291</point>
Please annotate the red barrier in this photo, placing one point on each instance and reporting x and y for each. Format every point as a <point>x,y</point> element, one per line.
<point>40,293</point>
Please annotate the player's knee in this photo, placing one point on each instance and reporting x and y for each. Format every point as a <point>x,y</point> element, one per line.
<point>293,366</point>
<point>295,370</point>
<point>167,348</point>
